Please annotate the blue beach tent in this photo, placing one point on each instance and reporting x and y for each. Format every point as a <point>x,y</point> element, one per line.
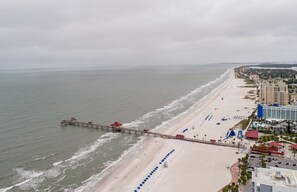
<point>230,133</point>
<point>240,134</point>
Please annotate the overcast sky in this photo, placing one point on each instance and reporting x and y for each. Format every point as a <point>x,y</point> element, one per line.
<point>63,33</point>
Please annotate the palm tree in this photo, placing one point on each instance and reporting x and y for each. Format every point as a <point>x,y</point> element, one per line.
<point>240,181</point>
<point>233,184</point>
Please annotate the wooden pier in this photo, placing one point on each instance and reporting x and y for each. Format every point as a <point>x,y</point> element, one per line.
<point>146,132</point>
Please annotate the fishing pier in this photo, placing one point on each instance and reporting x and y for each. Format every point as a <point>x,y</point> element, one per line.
<point>117,127</point>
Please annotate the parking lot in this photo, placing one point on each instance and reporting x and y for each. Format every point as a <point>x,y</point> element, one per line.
<point>287,163</point>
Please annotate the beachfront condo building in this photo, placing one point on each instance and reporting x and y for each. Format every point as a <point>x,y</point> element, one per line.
<point>277,112</point>
<point>274,179</point>
<point>274,91</point>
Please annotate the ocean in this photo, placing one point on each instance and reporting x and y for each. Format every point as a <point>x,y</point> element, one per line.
<point>37,154</point>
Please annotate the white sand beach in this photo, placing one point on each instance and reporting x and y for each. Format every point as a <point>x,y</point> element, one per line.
<point>191,166</point>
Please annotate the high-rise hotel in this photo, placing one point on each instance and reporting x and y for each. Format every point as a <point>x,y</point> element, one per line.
<point>274,92</point>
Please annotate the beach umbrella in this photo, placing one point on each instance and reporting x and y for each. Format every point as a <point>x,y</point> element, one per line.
<point>140,185</point>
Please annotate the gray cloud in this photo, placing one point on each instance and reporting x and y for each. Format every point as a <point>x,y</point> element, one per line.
<point>36,33</point>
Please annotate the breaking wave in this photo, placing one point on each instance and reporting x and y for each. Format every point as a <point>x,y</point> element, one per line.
<point>30,179</point>
<point>91,182</point>
<point>45,157</point>
<point>25,176</point>
<point>167,113</point>
<point>178,106</point>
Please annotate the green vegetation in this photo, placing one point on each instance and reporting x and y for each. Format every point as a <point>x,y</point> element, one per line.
<point>263,163</point>
<point>244,174</point>
<point>289,138</point>
<point>252,92</point>
<point>267,138</point>
<point>288,74</point>
<point>244,123</point>
<point>294,152</point>
<point>286,138</point>
<point>248,81</point>
<point>251,97</point>
<point>231,188</point>
<point>247,97</point>
<point>265,131</point>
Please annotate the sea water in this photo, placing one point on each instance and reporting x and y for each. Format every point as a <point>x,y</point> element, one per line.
<point>36,154</point>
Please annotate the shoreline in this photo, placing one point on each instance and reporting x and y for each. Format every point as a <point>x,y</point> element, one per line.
<point>127,172</point>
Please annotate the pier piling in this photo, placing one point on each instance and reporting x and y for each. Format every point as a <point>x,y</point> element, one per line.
<point>145,132</point>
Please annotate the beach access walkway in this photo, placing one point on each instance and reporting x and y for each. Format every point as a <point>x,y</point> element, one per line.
<point>73,122</point>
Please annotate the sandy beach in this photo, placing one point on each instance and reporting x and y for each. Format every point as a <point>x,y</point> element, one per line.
<point>191,166</point>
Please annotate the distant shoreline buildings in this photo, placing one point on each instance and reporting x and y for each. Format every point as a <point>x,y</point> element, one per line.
<point>277,112</point>
<point>274,100</point>
<point>274,92</point>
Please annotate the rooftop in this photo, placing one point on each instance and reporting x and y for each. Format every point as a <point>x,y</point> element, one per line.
<point>252,134</point>
<point>294,146</point>
<point>274,144</point>
<point>276,176</point>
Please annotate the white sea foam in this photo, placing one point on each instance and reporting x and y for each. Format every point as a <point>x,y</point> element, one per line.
<point>57,163</point>
<point>179,104</point>
<point>83,152</point>
<point>45,157</point>
<point>71,163</point>
<point>90,183</point>
<point>25,176</point>
<point>15,185</point>
<point>31,178</point>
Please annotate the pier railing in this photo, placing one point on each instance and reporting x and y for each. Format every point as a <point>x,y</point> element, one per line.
<point>75,123</point>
